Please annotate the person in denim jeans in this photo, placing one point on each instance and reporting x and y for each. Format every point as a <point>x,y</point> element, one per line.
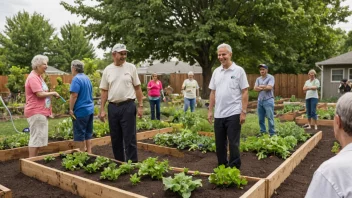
<point>264,85</point>
<point>311,88</point>
<point>155,87</point>
<point>191,92</point>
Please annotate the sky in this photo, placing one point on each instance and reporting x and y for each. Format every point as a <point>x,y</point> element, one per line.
<point>58,16</point>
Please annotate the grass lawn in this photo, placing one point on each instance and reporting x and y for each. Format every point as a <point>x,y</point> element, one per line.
<point>7,128</point>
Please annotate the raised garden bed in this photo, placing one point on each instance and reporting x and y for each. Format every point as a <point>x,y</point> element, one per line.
<point>5,192</point>
<point>290,116</point>
<point>53,147</point>
<point>300,121</point>
<point>90,187</point>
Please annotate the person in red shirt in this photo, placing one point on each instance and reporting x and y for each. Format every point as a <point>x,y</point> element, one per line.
<point>38,105</point>
<point>155,87</point>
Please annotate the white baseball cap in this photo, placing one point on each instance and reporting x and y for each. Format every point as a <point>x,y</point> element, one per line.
<point>119,48</point>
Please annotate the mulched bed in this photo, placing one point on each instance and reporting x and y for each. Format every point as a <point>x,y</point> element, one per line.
<point>26,187</point>
<point>155,188</point>
<point>296,185</point>
<point>206,162</point>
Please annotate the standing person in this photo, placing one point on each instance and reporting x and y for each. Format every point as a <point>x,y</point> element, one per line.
<point>344,86</point>
<point>81,106</point>
<point>38,105</point>
<point>311,88</point>
<point>264,85</point>
<point>229,93</point>
<point>334,177</point>
<point>155,87</point>
<point>191,92</point>
<point>120,86</point>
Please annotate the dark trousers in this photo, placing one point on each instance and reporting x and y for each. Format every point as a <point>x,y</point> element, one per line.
<point>228,129</point>
<point>122,124</point>
<point>155,106</point>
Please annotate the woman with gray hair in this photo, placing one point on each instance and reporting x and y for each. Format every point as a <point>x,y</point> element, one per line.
<point>38,105</point>
<point>311,88</point>
<point>191,92</point>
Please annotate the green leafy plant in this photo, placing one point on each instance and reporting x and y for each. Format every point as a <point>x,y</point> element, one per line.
<point>75,161</point>
<point>227,177</point>
<point>181,184</point>
<point>16,79</point>
<point>49,158</point>
<point>293,98</point>
<point>336,148</point>
<point>110,173</point>
<point>63,89</point>
<point>153,168</point>
<point>196,173</point>
<point>98,163</point>
<point>326,114</point>
<point>134,179</point>
<point>126,167</point>
<point>14,141</point>
<point>284,129</point>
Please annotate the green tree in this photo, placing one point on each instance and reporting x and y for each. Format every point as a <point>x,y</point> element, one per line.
<point>25,36</point>
<point>73,45</point>
<point>16,79</point>
<point>347,45</point>
<point>3,62</point>
<point>90,69</point>
<point>291,34</point>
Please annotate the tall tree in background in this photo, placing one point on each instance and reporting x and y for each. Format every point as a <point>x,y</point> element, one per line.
<point>25,36</point>
<point>73,45</point>
<point>289,34</point>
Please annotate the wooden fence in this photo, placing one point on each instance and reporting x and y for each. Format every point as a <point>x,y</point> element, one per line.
<point>285,84</point>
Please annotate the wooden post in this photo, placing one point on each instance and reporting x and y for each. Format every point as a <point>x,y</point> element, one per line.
<point>5,192</point>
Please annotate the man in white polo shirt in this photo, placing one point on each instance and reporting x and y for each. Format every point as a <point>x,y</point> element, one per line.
<point>120,85</point>
<point>229,93</point>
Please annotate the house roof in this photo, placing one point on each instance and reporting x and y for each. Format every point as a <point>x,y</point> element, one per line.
<point>344,59</point>
<point>54,71</point>
<point>170,67</point>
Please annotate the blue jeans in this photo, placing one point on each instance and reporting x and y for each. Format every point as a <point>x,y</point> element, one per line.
<point>189,102</point>
<point>311,107</point>
<point>266,109</point>
<point>155,104</point>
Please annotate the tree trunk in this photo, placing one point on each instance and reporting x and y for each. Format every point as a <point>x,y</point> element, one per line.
<point>206,80</point>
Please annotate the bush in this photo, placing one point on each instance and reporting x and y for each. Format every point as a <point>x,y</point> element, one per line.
<point>16,79</point>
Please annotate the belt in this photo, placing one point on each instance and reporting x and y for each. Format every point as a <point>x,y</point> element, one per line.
<point>122,103</point>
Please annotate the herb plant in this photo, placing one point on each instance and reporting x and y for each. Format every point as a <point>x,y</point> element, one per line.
<point>182,184</point>
<point>336,148</point>
<point>227,177</point>
<point>153,168</point>
<point>134,179</point>
<point>49,158</point>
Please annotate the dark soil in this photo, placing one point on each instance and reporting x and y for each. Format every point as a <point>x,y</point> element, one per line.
<point>296,185</point>
<point>23,186</point>
<point>155,188</point>
<point>206,162</point>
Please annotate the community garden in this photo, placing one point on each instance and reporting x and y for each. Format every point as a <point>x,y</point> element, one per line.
<point>176,158</point>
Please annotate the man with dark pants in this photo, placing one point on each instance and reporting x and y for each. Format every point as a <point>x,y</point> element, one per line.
<point>120,86</point>
<point>229,93</point>
<point>264,85</point>
<point>81,107</point>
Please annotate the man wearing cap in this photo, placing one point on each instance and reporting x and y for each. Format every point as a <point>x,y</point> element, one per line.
<point>81,107</point>
<point>229,93</point>
<point>264,85</point>
<point>120,86</point>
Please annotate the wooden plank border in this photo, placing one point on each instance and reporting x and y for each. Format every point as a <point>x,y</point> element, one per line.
<point>160,149</point>
<point>299,120</point>
<point>256,191</point>
<point>275,179</point>
<point>53,147</point>
<point>69,182</point>
<point>5,192</point>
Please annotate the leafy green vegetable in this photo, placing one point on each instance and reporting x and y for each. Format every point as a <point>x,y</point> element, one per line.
<point>109,173</point>
<point>75,161</point>
<point>14,141</point>
<point>135,179</point>
<point>182,184</point>
<point>336,148</point>
<point>153,168</point>
<point>49,158</point>
<point>227,177</point>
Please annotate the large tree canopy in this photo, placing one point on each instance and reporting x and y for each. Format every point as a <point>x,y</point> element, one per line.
<point>25,36</point>
<point>289,35</point>
<point>73,45</point>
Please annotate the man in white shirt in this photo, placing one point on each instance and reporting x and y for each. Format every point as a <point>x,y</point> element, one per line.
<point>334,177</point>
<point>229,93</point>
<point>120,86</point>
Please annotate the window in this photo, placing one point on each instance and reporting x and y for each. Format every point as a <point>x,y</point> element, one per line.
<point>147,78</point>
<point>350,74</point>
<point>337,75</point>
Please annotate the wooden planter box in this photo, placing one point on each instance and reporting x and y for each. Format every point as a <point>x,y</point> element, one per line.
<point>91,189</point>
<point>5,192</point>
<point>281,101</point>
<point>299,120</point>
<point>290,116</point>
<point>274,180</point>
<point>53,147</point>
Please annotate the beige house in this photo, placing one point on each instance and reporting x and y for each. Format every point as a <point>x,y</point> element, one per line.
<point>333,70</point>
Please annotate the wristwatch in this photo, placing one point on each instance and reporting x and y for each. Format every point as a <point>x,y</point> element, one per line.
<point>140,105</point>
<point>244,111</point>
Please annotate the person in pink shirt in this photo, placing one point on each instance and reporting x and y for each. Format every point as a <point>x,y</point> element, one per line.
<point>38,105</point>
<point>155,87</point>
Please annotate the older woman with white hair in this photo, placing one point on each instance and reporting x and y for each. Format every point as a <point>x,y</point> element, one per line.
<point>311,88</point>
<point>38,105</point>
<point>191,92</point>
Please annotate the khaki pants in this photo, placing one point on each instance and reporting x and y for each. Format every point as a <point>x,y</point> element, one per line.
<point>38,126</point>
